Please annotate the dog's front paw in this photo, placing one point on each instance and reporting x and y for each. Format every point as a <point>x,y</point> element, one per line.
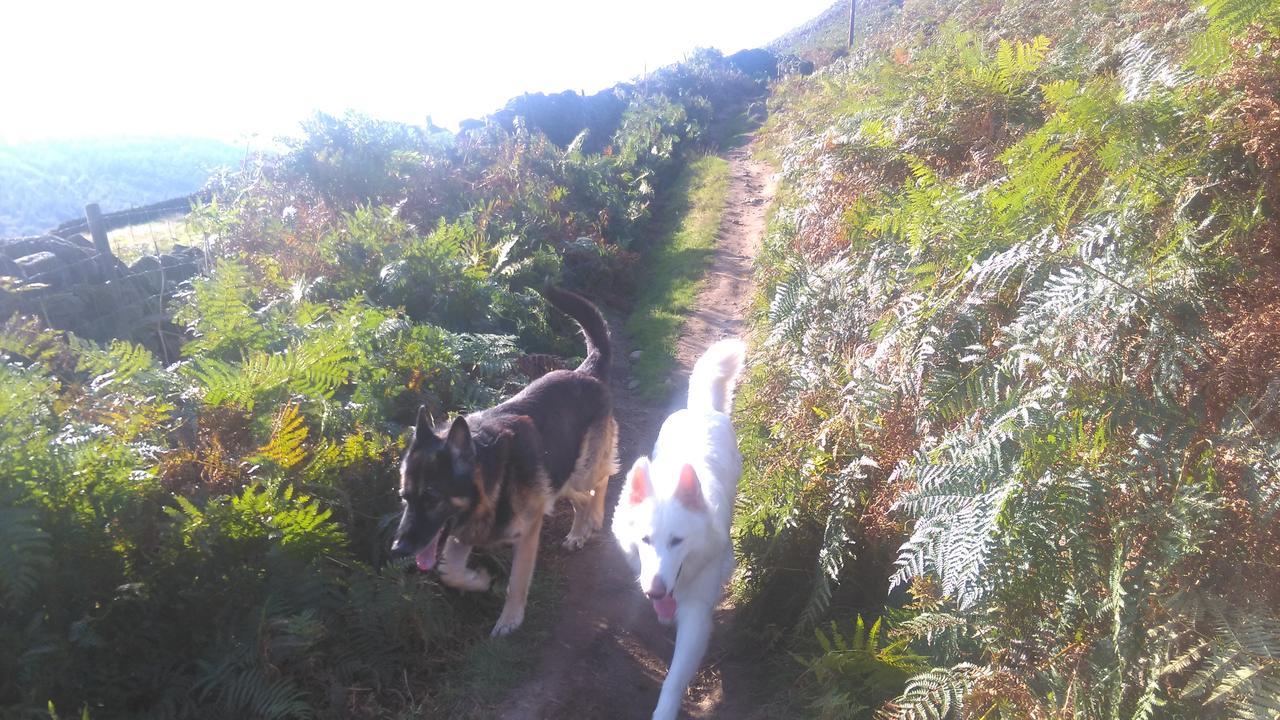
<point>575,542</point>
<point>477,581</point>
<point>468,580</point>
<point>507,623</point>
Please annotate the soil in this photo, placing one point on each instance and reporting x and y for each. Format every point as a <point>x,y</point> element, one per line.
<point>607,655</point>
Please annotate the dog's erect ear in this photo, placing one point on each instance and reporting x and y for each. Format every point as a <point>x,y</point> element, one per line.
<point>459,440</point>
<point>424,435</point>
<point>425,421</point>
<point>689,490</point>
<point>638,488</point>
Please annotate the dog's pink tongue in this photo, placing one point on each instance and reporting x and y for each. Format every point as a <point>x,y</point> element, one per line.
<point>666,608</point>
<point>426,557</point>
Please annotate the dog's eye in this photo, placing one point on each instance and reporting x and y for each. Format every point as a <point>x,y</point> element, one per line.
<point>646,540</point>
<point>676,541</point>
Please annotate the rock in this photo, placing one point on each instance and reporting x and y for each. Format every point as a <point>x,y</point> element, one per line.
<point>7,267</point>
<point>180,272</point>
<point>66,250</point>
<point>59,309</point>
<point>635,355</point>
<point>633,384</point>
<point>40,266</point>
<point>144,264</point>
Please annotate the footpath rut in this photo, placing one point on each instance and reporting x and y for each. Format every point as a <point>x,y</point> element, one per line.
<point>606,654</point>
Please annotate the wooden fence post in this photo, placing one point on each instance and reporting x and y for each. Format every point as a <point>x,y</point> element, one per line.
<point>853,14</point>
<point>93,215</point>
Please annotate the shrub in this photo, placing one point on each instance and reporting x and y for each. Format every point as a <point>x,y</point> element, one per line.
<point>1008,301</point>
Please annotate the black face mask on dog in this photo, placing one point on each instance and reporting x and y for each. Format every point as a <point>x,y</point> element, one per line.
<point>436,485</point>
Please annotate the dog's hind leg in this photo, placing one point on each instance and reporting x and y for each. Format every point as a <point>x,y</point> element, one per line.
<point>582,528</point>
<point>454,571</point>
<point>608,468</point>
<point>693,629</point>
<point>590,481</point>
<point>522,562</point>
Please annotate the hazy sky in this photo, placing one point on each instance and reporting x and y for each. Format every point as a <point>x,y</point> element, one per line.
<point>228,68</point>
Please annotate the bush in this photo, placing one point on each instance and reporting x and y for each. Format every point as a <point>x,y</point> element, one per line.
<point>1008,303</point>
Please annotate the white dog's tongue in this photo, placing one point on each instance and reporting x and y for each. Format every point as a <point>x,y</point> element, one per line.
<point>426,557</point>
<point>666,608</point>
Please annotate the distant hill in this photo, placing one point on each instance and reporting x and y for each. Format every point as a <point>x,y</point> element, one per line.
<point>827,35</point>
<point>829,30</point>
<point>43,183</point>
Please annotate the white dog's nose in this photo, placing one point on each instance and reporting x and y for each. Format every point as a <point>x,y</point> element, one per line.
<point>657,589</point>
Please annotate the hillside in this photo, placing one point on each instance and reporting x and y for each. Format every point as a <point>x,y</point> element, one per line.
<point>825,37</point>
<point>1014,411</point>
<point>46,182</point>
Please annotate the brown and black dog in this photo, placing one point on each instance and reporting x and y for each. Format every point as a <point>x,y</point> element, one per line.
<point>490,477</point>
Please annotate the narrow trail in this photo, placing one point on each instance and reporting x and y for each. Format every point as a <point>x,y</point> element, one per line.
<point>607,655</point>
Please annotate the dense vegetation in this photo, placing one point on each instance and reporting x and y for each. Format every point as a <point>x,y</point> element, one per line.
<point>208,539</point>
<point>1017,395</point>
<point>46,182</point>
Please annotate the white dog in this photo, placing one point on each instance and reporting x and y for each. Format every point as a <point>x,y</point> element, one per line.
<point>673,516</point>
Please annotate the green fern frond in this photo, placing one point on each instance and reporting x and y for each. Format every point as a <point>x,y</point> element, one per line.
<point>25,553</point>
<point>1233,16</point>
<point>288,435</point>
<point>935,695</point>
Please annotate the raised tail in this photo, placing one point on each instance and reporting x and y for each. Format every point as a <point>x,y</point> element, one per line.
<point>711,383</point>
<point>594,329</point>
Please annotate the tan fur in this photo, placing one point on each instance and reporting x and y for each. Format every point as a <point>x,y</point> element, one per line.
<point>586,488</point>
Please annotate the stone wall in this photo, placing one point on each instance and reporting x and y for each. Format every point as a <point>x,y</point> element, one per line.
<point>66,283</point>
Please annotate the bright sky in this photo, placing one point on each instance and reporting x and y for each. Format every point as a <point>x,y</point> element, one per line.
<point>231,68</point>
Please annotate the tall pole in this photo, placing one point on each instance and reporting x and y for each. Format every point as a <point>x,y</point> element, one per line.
<point>853,14</point>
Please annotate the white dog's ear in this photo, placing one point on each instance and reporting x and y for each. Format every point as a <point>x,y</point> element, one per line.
<point>638,488</point>
<point>689,490</point>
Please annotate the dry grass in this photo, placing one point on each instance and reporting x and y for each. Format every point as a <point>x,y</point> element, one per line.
<point>153,238</point>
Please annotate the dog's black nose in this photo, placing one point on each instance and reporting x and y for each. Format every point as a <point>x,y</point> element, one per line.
<point>401,549</point>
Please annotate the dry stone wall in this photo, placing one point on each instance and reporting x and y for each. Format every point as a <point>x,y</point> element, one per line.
<point>67,284</point>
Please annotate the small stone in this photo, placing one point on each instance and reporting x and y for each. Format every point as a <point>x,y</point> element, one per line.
<point>635,355</point>
<point>633,384</point>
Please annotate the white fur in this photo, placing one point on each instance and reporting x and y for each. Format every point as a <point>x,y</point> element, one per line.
<point>695,569</point>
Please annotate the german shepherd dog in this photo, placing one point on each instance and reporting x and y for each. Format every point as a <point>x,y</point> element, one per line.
<point>490,477</point>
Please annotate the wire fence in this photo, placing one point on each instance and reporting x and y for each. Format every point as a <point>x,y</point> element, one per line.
<point>136,215</point>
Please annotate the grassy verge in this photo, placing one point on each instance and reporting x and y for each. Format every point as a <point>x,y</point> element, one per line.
<point>675,264</point>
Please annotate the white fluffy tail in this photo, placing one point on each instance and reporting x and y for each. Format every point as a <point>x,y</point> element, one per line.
<point>711,383</point>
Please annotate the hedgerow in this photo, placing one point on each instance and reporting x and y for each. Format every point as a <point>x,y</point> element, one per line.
<point>1017,390</point>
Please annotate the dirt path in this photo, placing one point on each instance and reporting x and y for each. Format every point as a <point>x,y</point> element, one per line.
<point>607,654</point>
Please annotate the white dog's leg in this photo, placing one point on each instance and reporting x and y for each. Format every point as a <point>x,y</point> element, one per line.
<point>693,629</point>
